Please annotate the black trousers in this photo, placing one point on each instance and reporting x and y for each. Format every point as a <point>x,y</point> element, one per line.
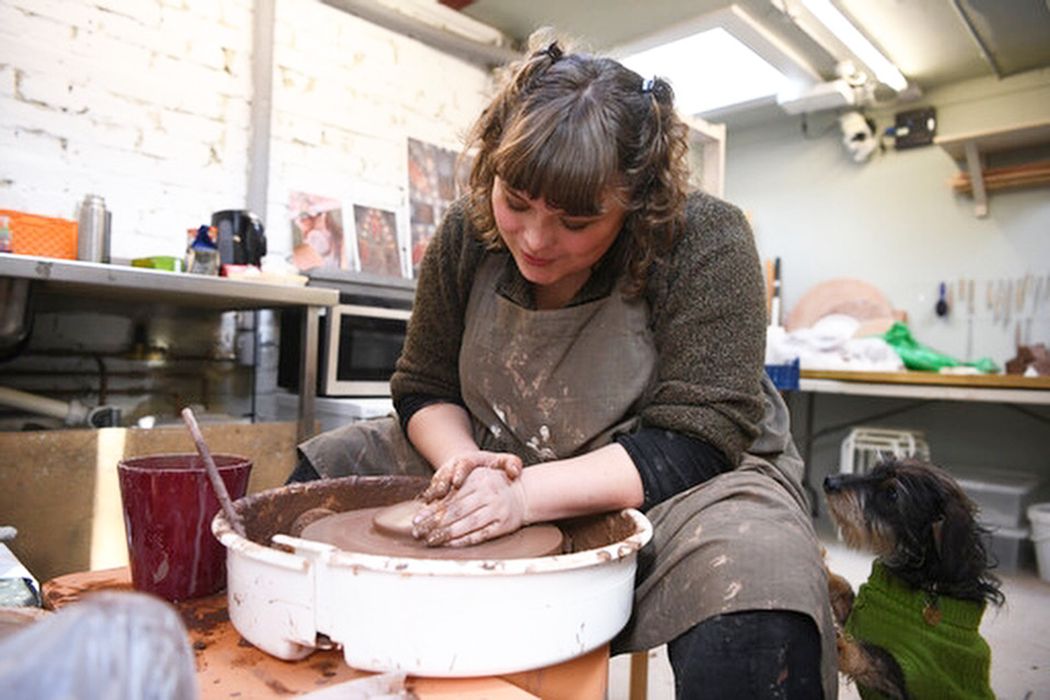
<point>751,655</point>
<point>304,471</point>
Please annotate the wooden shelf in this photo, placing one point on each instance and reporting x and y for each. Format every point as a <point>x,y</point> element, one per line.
<point>969,151</point>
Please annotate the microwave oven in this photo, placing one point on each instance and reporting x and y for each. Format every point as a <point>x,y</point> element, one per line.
<point>358,346</point>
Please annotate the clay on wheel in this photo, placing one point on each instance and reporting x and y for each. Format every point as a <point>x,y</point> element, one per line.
<point>397,519</point>
<point>356,531</point>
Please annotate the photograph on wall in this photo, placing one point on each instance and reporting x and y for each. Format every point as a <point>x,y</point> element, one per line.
<point>432,186</point>
<point>378,251</point>
<point>317,232</point>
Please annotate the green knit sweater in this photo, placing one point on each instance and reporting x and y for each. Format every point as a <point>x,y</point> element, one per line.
<point>707,316</point>
<point>948,660</point>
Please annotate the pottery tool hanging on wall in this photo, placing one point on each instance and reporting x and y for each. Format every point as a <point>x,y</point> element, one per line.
<point>941,307</point>
<point>969,320</point>
<point>774,308</point>
<point>1008,303</point>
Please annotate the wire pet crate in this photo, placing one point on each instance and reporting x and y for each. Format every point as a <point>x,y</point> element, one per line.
<point>864,447</point>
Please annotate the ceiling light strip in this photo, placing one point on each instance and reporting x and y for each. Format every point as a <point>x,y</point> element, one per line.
<point>856,43</point>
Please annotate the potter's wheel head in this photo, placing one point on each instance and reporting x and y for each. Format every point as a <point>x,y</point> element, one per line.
<point>381,531</point>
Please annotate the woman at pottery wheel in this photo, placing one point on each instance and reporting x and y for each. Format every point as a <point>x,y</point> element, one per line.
<point>587,336</point>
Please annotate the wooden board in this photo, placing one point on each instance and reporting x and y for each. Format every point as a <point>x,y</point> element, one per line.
<point>230,667</point>
<point>997,381</point>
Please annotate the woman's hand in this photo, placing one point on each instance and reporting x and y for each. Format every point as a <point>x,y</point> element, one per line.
<point>489,503</point>
<point>451,475</point>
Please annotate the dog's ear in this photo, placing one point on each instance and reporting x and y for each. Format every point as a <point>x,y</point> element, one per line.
<point>956,537</point>
<point>952,531</point>
<point>937,532</point>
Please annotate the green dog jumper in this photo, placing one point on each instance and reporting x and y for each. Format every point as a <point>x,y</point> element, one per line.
<point>942,655</point>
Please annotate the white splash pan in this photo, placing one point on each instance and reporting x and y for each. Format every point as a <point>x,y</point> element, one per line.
<point>425,617</point>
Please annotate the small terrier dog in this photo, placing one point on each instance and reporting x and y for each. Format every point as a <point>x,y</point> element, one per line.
<point>911,631</point>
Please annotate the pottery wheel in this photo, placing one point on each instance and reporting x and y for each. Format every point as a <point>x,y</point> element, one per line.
<point>383,531</point>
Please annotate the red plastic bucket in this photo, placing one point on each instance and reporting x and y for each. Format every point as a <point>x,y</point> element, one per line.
<point>168,508</point>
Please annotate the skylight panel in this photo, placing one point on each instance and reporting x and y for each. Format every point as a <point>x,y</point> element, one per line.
<point>709,70</point>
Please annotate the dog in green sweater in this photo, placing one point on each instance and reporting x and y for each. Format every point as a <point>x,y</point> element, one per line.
<point>911,631</point>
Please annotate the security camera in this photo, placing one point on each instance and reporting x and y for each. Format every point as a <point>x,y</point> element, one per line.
<point>858,135</point>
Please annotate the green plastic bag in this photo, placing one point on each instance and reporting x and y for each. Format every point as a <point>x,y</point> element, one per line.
<point>919,357</point>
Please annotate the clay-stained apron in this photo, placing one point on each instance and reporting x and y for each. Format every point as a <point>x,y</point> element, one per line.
<point>555,383</point>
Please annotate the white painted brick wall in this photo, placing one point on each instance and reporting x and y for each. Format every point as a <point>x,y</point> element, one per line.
<point>144,102</point>
<point>147,102</point>
<point>347,95</point>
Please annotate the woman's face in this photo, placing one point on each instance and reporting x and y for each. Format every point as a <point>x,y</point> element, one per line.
<point>554,249</point>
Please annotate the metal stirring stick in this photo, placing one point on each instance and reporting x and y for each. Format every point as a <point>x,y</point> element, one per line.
<point>213,474</point>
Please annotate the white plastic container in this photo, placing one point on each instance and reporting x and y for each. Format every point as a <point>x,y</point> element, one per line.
<point>1008,546</point>
<point>1039,515</point>
<point>1001,495</point>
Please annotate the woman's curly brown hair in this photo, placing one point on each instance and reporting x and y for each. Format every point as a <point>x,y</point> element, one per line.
<point>569,127</point>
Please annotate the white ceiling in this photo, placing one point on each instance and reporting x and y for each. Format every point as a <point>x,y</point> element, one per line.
<point>933,42</point>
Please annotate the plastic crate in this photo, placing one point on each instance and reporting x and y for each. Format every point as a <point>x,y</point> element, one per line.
<point>864,447</point>
<point>1001,495</point>
<point>785,377</point>
<point>46,236</point>
<point>1009,548</point>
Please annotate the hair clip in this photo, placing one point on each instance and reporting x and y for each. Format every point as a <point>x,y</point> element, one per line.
<point>659,89</point>
<point>553,51</point>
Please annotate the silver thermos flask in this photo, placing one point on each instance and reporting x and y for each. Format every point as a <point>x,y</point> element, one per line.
<point>93,227</point>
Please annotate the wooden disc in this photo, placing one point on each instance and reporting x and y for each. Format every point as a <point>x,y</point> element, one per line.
<point>356,531</point>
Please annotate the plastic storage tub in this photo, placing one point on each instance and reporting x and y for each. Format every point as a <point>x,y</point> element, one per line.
<point>1002,495</point>
<point>1039,515</point>
<point>1009,547</point>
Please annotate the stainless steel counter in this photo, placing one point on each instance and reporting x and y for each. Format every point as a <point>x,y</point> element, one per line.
<point>143,285</point>
<point>115,281</point>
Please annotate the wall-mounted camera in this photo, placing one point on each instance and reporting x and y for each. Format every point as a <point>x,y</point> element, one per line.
<point>858,135</point>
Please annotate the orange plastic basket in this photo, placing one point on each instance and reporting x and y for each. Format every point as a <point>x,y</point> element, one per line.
<point>45,236</point>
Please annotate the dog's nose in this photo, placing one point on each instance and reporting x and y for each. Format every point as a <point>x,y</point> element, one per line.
<point>832,483</point>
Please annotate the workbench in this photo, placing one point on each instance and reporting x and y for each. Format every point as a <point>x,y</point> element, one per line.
<point>997,388</point>
<point>917,388</point>
<point>137,285</point>
<point>229,667</point>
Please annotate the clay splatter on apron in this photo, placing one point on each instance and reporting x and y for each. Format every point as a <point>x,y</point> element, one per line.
<point>734,589</point>
<point>555,383</point>
<point>540,445</point>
